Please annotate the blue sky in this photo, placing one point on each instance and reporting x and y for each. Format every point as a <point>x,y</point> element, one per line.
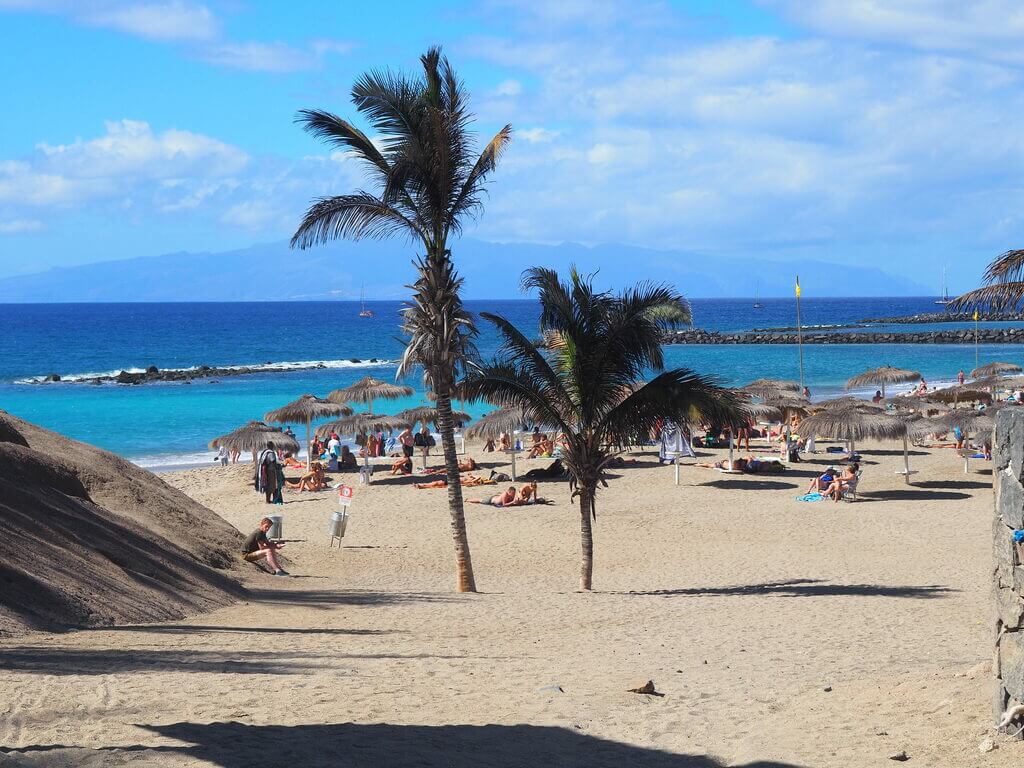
<point>857,131</point>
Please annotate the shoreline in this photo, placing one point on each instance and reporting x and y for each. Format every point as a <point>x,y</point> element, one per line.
<point>959,336</point>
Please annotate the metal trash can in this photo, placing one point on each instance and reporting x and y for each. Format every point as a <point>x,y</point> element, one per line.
<point>336,528</point>
<point>277,527</point>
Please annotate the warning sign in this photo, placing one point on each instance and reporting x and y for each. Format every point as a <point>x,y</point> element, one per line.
<point>345,495</point>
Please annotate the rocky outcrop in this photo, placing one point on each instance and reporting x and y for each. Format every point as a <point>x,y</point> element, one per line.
<point>945,317</point>
<point>958,336</point>
<point>152,374</point>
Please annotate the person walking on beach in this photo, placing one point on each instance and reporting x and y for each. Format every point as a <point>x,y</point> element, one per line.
<point>960,378</point>
<point>408,442</point>
<point>222,455</point>
<point>334,445</point>
<point>257,547</point>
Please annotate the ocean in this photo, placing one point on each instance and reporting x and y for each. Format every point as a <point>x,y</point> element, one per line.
<point>169,425</point>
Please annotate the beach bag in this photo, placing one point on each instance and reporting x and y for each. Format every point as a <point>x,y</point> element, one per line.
<point>431,442</point>
<point>420,440</point>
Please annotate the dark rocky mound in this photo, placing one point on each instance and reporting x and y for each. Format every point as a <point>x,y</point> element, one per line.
<point>90,539</point>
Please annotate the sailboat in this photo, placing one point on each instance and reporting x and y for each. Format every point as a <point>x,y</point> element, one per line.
<point>363,311</point>
<point>945,292</point>
<point>757,296</point>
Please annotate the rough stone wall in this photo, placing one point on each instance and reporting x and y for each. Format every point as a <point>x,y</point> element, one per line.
<point>1008,662</point>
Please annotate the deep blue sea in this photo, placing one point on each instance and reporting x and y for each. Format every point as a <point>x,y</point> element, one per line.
<point>163,425</point>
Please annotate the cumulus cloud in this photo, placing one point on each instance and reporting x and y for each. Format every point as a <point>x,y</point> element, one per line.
<point>167,20</point>
<point>20,226</point>
<point>259,57</point>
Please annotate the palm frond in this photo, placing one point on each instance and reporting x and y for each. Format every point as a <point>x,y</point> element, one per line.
<point>353,216</point>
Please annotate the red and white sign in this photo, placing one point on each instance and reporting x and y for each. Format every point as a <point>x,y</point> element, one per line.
<point>345,495</point>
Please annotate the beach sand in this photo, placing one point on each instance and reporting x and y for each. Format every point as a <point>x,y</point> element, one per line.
<point>781,633</point>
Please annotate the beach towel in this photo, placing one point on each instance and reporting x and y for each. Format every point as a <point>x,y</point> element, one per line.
<point>674,442</point>
<point>729,471</point>
<point>811,497</point>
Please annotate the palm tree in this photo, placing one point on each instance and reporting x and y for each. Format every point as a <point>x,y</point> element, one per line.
<point>427,180</point>
<point>1004,289</point>
<point>584,379</point>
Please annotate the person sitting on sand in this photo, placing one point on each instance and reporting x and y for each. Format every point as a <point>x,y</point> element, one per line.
<point>542,448</point>
<point>402,466</point>
<point>314,480</point>
<point>348,459</point>
<point>505,442</point>
<point>257,546</point>
<point>878,397</point>
<point>822,482</point>
<point>845,482</point>
<point>464,466</point>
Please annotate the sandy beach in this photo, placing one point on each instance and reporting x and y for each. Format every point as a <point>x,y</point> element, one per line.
<point>779,632</point>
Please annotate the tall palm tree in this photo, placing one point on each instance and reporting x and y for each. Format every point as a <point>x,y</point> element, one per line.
<point>1004,289</point>
<point>583,379</point>
<point>426,180</point>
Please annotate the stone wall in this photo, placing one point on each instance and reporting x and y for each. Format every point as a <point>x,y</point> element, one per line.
<point>1008,662</point>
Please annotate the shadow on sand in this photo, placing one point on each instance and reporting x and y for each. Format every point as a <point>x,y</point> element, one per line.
<point>807,588</point>
<point>239,745</point>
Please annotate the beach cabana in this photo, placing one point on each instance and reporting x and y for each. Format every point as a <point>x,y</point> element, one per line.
<point>306,409</point>
<point>853,424</point>
<point>368,389</point>
<point>879,377</point>
<point>254,437</point>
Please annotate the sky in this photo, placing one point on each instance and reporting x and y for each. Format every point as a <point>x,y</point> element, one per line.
<point>854,131</point>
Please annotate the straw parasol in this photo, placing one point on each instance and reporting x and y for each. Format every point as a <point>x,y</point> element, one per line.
<point>255,436</point>
<point>916,404</point>
<point>964,394</point>
<point>368,389</point>
<point>860,423</point>
<point>492,424</point>
<point>769,387</point>
<point>991,369</point>
<point>361,423</point>
<point>882,376</point>
<point>966,419</point>
<point>845,402</point>
<point>307,408</point>
<point>427,414</point>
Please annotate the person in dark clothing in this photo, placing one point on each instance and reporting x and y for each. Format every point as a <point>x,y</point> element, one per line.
<point>257,546</point>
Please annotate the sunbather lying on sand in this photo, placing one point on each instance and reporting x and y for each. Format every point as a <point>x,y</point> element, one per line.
<point>291,461</point>
<point>464,466</point>
<point>469,481</point>
<point>527,495</point>
<point>736,465</point>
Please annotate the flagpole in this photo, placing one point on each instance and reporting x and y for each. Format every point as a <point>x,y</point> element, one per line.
<point>976,365</point>
<point>800,334</point>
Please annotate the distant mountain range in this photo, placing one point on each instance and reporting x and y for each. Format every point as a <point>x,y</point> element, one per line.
<point>272,271</point>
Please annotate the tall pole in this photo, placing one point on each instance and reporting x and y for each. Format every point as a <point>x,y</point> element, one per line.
<point>976,365</point>
<point>799,333</point>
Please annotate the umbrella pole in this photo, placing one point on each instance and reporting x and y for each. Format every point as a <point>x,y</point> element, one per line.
<point>730,449</point>
<point>906,461</point>
<point>513,465</point>
<point>309,444</point>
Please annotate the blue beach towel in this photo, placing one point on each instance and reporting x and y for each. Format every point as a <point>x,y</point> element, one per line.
<point>1018,536</point>
<point>811,497</point>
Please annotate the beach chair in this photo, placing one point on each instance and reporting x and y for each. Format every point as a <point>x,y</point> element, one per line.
<point>850,494</point>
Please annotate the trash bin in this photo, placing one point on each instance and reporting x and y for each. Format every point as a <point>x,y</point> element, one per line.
<point>337,525</point>
<point>276,527</point>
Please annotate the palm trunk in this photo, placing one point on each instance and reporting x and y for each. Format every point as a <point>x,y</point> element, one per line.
<point>445,425</point>
<point>587,540</point>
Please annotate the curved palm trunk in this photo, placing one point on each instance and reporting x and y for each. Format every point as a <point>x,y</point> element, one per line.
<point>587,540</point>
<point>445,425</point>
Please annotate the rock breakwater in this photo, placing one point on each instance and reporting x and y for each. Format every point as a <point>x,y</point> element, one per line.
<point>958,336</point>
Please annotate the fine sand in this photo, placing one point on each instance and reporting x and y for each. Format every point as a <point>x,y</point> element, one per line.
<point>781,633</point>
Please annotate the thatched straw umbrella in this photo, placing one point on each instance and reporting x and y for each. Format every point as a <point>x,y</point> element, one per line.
<point>255,436</point>
<point>844,403</point>
<point>360,424</point>
<point>882,376</point>
<point>769,387</point>
<point>964,394</point>
<point>991,369</point>
<point>368,389</point>
<point>860,423</point>
<point>425,414</point>
<point>307,408</point>
<point>966,419</point>
<point>494,423</point>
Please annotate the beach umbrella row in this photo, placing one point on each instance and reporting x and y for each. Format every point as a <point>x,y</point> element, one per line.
<point>368,389</point>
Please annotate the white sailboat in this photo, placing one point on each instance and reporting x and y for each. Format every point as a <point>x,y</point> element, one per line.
<point>757,296</point>
<point>945,292</point>
<point>363,311</point>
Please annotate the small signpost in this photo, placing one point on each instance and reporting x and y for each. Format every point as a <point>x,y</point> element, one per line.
<point>339,519</point>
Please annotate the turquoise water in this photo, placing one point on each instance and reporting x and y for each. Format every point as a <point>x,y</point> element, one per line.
<point>170,424</point>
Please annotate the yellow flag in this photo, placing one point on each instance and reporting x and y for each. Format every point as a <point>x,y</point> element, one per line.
<point>798,287</point>
<point>975,315</point>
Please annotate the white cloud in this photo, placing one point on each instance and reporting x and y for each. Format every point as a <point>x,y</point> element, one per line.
<point>165,21</point>
<point>20,226</point>
<point>537,135</point>
<point>259,57</point>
